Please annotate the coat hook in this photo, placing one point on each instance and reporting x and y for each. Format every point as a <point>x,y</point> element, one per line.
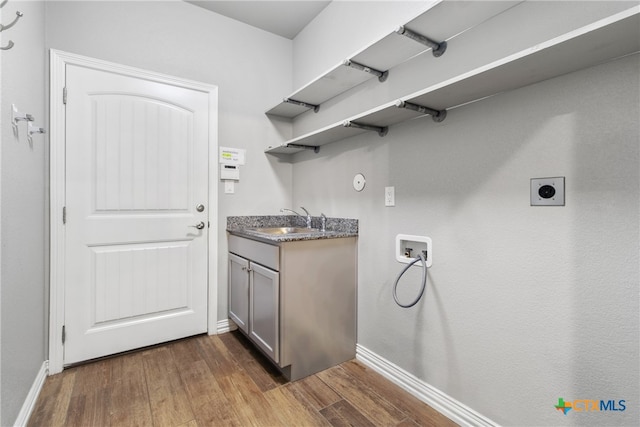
<point>8,46</point>
<point>6,27</point>
<point>17,116</point>
<point>33,130</point>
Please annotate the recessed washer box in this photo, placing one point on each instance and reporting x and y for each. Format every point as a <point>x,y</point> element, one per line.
<point>547,191</point>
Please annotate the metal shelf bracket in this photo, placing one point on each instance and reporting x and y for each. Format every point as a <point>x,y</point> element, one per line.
<point>436,115</point>
<point>381,75</point>
<point>436,48</point>
<point>316,108</point>
<point>315,148</point>
<point>381,130</point>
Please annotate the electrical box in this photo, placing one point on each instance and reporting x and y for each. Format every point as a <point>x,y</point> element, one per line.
<point>547,191</point>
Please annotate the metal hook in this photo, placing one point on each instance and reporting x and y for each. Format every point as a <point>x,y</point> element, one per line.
<point>3,3</point>
<point>8,46</point>
<point>32,130</point>
<point>6,27</point>
<point>17,116</point>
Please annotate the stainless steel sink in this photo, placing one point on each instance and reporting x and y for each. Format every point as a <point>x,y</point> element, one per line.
<point>285,230</point>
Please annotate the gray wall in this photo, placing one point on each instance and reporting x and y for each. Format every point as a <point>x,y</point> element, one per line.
<point>23,216</point>
<point>524,304</point>
<point>251,68</point>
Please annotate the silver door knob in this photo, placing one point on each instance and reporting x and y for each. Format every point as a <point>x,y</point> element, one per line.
<point>200,208</point>
<point>199,226</point>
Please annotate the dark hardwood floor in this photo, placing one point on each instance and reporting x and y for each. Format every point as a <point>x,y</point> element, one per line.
<point>221,380</point>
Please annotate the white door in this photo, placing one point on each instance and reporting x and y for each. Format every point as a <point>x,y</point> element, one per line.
<point>136,171</point>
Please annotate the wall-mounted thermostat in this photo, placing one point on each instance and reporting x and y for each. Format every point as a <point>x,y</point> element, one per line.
<point>547,191</point>
<point>230,172</point>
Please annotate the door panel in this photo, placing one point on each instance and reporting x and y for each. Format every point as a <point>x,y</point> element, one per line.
<point>137,166</point>
<point>264,285</point>
<point>239,291</point>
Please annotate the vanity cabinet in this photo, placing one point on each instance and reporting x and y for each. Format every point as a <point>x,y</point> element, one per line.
<point>295,300</point>
<point>254,294</point>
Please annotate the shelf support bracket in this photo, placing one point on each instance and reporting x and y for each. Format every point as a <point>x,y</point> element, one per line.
<point>316,108</point>
<point>381,130</point>
<point>436,115</point>
<point>381,75</point>
<point>315,148</point>
<point>436,48</point>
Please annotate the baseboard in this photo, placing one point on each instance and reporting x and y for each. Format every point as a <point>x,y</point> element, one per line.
<point>435,398</point>
<point>225,325</point>
<point>32,396</point>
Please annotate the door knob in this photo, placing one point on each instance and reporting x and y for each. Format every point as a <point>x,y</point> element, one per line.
<point>199,226</point>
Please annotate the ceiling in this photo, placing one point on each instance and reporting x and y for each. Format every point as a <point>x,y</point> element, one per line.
<point>285,18</point>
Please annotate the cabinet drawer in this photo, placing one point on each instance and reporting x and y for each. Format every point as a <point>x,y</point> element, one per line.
<point>261,253</point>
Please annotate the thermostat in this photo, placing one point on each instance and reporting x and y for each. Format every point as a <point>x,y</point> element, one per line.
<point>229,172</point>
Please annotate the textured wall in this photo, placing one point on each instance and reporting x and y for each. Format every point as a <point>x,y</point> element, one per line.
<point>23,214</point>
<point>251,68</point>
<point>524,304</point>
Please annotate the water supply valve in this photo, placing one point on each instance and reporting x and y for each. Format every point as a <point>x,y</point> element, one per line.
<point>409,246</point>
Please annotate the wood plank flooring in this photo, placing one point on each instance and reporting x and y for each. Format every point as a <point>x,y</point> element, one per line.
<point>221,380</point>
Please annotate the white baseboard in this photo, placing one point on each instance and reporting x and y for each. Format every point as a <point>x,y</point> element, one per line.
<point>32,396</point>
<point>435,398</point>
<point>225,325</point>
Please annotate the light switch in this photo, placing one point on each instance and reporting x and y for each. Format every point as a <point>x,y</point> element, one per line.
<point>229,187</point>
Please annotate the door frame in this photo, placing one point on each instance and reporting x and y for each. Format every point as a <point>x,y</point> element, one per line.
<point>58,61</point>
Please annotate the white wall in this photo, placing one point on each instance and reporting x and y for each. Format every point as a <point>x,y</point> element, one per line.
<point>23,209</point>
<point>249,66</point>
<point>524,304</point>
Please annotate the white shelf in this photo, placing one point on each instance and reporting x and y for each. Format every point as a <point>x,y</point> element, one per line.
<point>442,22</point>
<point>602,41</point>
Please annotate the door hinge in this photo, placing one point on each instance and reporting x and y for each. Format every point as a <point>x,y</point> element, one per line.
<point>64,334</point>
<point>64,214</point>
<point>64,95</point>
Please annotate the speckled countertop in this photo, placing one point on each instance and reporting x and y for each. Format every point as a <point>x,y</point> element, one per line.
<point>335,228</point>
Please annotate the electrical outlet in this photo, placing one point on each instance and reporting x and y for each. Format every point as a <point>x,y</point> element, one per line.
<point>389,196</point>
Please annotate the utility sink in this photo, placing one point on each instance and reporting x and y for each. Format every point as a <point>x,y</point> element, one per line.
<point>285,230</point>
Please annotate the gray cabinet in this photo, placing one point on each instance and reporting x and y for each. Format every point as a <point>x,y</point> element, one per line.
<point>264,309</point>
<point>296,300</point>
<point>239,291</point>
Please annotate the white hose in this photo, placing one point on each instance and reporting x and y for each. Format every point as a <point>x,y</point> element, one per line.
<point>424,282</point>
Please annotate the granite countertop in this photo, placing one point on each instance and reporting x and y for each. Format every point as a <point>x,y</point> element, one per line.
<point>335,227</point>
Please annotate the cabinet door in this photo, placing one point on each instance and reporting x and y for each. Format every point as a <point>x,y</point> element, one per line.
<point>265,303</point>
<point>239,291</point>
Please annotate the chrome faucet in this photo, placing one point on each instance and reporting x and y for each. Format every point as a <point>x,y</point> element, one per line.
<point>323,222</point>
<point>307,218</point>
<point>292,211</point>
